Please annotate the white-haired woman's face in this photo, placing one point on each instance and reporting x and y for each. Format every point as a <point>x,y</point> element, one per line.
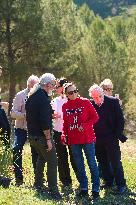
<point>108,91</point>
<point>97,97</point>
<point>32,83</point>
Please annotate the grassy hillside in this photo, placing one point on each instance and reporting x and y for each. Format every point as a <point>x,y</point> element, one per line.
<point>26,195</point>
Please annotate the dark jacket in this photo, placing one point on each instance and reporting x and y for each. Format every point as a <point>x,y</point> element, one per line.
<point>38,113</point>
<point>5,129</point>
<point>111,119</point>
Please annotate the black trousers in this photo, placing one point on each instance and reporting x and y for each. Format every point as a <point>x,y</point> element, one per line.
<point>108,155</point>
<point>62,155</point>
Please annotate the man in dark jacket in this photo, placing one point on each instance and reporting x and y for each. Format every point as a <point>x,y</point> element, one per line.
<point>109,130</point>
<point>39,124</point>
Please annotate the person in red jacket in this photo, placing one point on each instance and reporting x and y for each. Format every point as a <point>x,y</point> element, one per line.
<point>79,116</point>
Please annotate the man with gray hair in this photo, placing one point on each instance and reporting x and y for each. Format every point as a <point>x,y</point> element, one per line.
<point>19,114</point>
<point>39,123</point>
<point>109,130</point>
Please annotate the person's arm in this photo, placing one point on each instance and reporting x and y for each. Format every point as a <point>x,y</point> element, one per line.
<point>16,111</point>
<point>45,121</point>
<point>55,114</point>
<point>119,119</point>
<point>47,134</point>
<point>93,116</point>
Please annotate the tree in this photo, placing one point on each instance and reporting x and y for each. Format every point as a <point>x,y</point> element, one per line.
<point>105,8</point>
<point>19,36</point>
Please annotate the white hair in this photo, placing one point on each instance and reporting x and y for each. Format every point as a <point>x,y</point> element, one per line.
<point>44,79</point>
<point>106,83</point>
<point>95,88</point>
<point>32,78</point>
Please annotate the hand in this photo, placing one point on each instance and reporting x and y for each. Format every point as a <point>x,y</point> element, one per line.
<point>122,138</point>
<point>81,129</point>
<point>64,143</point>
<point>63,140</point>
<point>56,115</point>
<point>49,144</point>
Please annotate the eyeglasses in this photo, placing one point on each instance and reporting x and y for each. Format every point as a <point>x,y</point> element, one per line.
<point>72,92</point>
<point>59,86</point>
<point>53,83</point>
<point>108,89</point>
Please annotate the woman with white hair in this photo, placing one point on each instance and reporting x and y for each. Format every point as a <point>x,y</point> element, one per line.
<point>109,130</point>
<point>107,86</point>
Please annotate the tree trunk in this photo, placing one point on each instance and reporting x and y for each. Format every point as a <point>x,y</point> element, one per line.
<point>10,58</point>
<point>12,91</point>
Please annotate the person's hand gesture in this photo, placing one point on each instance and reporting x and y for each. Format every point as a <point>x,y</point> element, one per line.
<point>81,129</point>
<point>49,144</point>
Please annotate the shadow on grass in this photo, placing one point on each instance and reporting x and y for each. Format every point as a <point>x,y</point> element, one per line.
<point>107,197</point>
<point>110,198</point>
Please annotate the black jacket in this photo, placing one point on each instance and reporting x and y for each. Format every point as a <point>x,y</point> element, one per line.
<point>5,128</point>
<point>111,119</point>
<point>38,113</point>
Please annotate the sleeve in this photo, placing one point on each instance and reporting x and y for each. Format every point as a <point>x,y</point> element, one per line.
<point>119,119</point>
<point>7,129</point>
<point>45,115</point>
<point>53,104</point>
<point>93,116</point>
<point>65,127</point>
<point>16,111</point>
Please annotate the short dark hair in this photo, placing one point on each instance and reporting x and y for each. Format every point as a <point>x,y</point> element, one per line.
<point>62,81</point>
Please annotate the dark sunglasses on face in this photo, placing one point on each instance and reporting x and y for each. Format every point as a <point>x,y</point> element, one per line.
<point>59,86</point>
<point>72,92</point>
<point>108,89</point>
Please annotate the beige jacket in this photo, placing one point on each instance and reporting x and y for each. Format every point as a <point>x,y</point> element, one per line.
<point>18,109</point>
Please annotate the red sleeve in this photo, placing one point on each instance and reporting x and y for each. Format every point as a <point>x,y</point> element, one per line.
<point>93,116</point>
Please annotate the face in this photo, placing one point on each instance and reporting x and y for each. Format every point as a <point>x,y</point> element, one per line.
<point>97,97</point>
<point>108,91</point>
<point>50,87</point>
<point>32,83</point>
<point>58,89</point>
<point>72,92</point>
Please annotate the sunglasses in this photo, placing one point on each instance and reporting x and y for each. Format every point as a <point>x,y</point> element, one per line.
<point>59,86</point>
<point>108,89</point>
<point>72,92</point>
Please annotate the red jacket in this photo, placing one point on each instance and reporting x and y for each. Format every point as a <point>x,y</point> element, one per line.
<point>75,113</point>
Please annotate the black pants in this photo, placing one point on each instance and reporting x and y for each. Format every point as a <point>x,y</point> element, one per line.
<point>62,155</point>
<point>40,146</point>
<point>108,155</point>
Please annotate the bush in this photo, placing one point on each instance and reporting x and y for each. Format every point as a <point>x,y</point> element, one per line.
<point>5,160</point>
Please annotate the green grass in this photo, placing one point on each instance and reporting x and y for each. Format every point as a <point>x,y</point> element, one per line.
<point>25,195</point>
